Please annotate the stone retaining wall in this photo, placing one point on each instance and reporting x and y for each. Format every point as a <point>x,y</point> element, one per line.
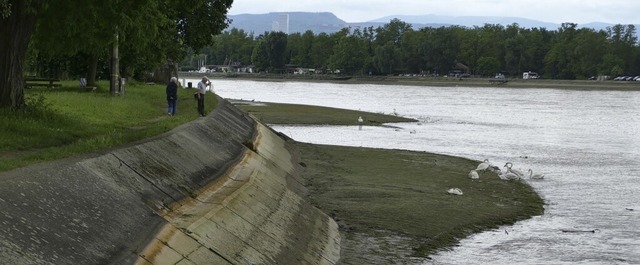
<point>220,190</point>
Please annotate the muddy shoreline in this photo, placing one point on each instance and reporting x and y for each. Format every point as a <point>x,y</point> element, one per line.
<point>430,81</point>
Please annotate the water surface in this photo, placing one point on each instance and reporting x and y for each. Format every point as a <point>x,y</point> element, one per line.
<point>586,142</point>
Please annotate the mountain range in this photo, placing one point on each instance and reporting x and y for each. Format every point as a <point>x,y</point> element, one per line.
<point>326,22</point>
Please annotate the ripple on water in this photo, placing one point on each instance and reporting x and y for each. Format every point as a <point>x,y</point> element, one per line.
<point>585,141</point>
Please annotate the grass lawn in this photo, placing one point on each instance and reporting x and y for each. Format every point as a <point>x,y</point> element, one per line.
<point>66,121</point>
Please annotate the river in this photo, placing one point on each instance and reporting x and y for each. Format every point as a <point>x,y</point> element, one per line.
<point>587,143</point>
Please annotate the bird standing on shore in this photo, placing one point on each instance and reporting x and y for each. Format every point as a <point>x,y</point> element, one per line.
<point>360,121</point>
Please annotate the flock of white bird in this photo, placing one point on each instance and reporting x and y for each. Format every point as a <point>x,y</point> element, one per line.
<point>509,174</point>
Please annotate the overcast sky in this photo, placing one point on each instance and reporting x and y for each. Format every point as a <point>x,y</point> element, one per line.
<point>555,11</point>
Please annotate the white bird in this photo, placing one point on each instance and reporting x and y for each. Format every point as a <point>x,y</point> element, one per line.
<point>474,174</point>
<point>455,191</point>
<point>360,120</point>
<point>535,176</point>
<point>508,176</point>
<point>484,166</point>
<point>509,166</point>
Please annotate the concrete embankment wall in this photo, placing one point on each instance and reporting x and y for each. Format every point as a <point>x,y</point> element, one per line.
<point>220,190</point>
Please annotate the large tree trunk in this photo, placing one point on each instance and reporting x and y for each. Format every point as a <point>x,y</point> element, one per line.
<point>16,33</point>
<point>165,72</point>
<point>93,66</point>
<point>115,68</point>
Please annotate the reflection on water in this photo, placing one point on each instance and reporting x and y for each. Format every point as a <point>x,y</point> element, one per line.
<point>586,142</point>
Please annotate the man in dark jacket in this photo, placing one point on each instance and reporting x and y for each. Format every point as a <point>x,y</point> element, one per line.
<point>172,96</point>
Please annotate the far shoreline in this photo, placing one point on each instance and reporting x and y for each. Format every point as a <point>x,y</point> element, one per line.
<point>440,81</point>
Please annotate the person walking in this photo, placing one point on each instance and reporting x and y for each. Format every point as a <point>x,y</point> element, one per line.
<point>199,95</point>
<point>172,96</point>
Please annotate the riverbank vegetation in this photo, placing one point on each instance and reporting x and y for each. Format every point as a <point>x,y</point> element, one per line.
<point>66,121</point>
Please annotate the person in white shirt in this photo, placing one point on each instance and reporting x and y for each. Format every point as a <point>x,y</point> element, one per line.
<point>199,95</point>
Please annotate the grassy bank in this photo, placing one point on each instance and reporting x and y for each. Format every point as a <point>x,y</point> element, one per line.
<point>393,205</point>
<point>303,114</point>
<point>66,121</point>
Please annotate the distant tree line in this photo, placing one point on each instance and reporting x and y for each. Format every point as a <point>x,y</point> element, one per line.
<point>396,48</point>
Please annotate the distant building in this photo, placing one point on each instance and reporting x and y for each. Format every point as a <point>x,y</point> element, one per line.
<point>282,24</point>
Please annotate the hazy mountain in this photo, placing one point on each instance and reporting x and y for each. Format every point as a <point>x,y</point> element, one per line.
<point>328,23</point>
<point>298,22</point>
<point>469,21</point>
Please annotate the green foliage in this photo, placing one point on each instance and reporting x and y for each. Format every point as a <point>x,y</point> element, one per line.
<point>488,66</point>
<point>150,33</point>
<point>395,48</point>
<point>349,53</point>
<point>198,20</point>
<point>260,56</point>
<point>269,53</point>
<point>5,9</point>
<point>64,122</point>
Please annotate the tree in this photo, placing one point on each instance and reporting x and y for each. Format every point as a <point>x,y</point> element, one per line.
<point>514,49</point>
<point>589,49</point>
<point>386,57</point>
<point>348,54</point>
<point>491,41</point>
<point>469,49</point>
<point>231,46</point>
<point>17,23</point>
<point>536,44</point>
<point>269,52</point>
<point>391,32</point>
<point>414,47</point>
<point>322,46</point>
<point>488,66</point>
<point>277,45</point>
<point>560,60</point>
<point>445,42</point>
<point>299,47</point>
<point>150,32</point>
<point>260,56</point>
<point>622,40</point>
<point>611,65</point>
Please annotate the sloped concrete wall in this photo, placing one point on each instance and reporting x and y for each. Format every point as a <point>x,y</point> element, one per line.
<point>220,190</point>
